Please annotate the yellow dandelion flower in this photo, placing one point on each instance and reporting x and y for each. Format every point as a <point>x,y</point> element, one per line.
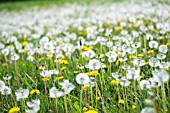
<point>114,82</point>
<point>133,106</point>
<point>141,76</point>
<point>60,78</point>
<point>140,55</point>
<point>61,69</point>
<point>76,72</point>
<point>24,43</point>
<point>94,73</point>
<point>62,56</point>
<point>91,111</point>
<point>63,62</point>
<point>132,56</point>
<point>52,37</point>
<point>48,52</point>
<point>85,87</point>
<point>150,51</point>
<point>42,67</point>
<point>168,44</point>
<point>117,62</point>
<point>85,109</point>
<point>41,59</point>
<point>85,48</point>
<point>14,110</point>
<point>167,69</point>
<point>46,79</point>
<point>35,91</point>
<point>88,73</point>
<point>97,98</point>
<point>119,28</point>
<point>80,33</point>
<point>146,63</point>
<point>121,101</point>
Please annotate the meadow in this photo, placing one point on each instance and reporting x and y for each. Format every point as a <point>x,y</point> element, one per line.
<point>85,57</point>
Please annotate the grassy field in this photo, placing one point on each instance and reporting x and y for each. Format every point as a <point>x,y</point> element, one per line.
<point>85,57</point>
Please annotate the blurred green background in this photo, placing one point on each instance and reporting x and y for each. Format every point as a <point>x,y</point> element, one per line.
<point>21,4</point>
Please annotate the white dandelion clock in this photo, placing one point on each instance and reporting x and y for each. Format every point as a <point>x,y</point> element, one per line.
<point>154,82</point>
<point>2,84</point>
<point>124,81</point>
<point>162,75</point>
<point>94,64</point>
<point>67,86</point>
<point>111,54</point>
<point>153,44</point>
<point>54,93</point>
<point>145,84</point>
<point>133,74</point>
<point>82,79</point>
<point>154,62</point>
<point>34,106</point>
<point>163,49</point>
<point>6,90</point>
<point>14,57</point>
<point>88,54</point>
<point>22,94</point>
<point>148,110</point>
<point>45,73</point>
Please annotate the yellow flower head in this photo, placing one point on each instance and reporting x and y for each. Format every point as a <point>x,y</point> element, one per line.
<point>168,44</point>
<point>48,52</point>
<point>42,58</point>
<point>85,109</point>
<point>150,51</point>
<point>61,69</point>
<point>119,28</point>
<point>60,78</point>
<point>94,73</point>
<point>24,43</point>
<point>85,48</point>
<point>85,87</point>
<point>97,98</point>
<point>133,106</point>
<point>63,62</point>
<point>46,79</point>
<point>117,62</point>
<point>14,110</point>
<point>35,91</point>
<point>91,111</point>
<point>132,56</point>
<point>76,72</point>
<point>140,55</point>
<point>42,67</point>
<point>114,82</point>
<point>121,101</point>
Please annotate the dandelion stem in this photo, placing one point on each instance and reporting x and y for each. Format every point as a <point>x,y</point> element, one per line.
<point>2,103</point>
<point>135,91</point>
<point>56,104</point>
<point>65,104</point>
<point>100,97</point>
<point>45,88</point>
<point>16,70</point>
<point>164,98</point>
<point>70,102</point>
<point>81,94</point>
<point>91,95</point>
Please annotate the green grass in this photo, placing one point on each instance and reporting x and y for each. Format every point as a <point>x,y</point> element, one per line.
<point>19,5</point>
